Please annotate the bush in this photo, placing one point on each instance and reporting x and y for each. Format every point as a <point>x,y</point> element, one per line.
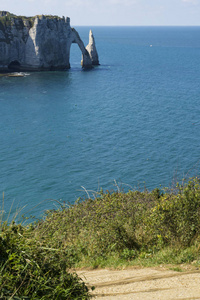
<point>29,271</point>
<point>162,227</point>
<point>175,218</point>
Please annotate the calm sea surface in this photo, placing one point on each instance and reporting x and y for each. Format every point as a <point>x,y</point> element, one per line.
<point>134,119</point>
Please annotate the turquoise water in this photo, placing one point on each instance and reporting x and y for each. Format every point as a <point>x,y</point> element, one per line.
<point>134,119</point>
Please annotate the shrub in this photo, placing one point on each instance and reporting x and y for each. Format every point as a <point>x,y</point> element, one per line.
<point>142,226</point>
<point>29,271</point>
<point>175,218</point>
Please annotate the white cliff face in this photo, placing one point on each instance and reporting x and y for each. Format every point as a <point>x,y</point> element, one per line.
<point>39,43</point>
<point>48,44</point>
<point>91,48</point>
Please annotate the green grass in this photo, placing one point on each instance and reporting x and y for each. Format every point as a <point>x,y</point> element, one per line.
<point>115,230</point>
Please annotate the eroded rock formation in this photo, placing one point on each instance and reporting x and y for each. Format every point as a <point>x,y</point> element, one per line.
<point>38,43</point>
<point>91,48</point>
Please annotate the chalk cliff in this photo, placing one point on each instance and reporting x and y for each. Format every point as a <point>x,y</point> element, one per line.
<point>38,43</point>
<point>91,48</point>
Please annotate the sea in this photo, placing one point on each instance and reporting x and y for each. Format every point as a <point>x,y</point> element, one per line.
<point>132,123</point>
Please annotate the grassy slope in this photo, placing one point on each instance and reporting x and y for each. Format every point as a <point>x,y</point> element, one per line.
<point>115,229</point>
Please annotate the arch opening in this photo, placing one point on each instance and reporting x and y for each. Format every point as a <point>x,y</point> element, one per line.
<point>86,62</point>
<point>75,56</point>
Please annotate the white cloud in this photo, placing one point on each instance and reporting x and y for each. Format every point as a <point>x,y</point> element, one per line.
<point>105,3</point>
<point>194,2</point>
<point>122,2</point>
<point>79,3</point>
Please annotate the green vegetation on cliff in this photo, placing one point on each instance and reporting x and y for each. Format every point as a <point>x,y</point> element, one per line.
<point>20,22</point>
<point>7,20</point>
<point>113,229</point>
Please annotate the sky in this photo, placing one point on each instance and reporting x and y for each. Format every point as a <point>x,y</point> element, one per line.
<point>112,12</point>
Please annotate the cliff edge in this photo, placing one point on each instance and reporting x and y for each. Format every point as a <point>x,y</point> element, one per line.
<point>38,43</point>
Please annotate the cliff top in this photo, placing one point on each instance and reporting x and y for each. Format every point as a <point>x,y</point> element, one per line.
<point>7,19</point>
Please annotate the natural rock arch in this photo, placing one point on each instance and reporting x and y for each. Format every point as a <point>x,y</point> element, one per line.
<point>86,60</point>
<point>40,43</point>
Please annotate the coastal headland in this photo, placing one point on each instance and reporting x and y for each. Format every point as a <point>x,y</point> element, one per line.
<point>40,43</point>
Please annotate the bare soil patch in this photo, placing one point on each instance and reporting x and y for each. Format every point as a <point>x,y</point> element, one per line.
<point>143,283</point>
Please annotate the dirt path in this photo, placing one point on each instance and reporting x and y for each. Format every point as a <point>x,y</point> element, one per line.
<point>143,284</point>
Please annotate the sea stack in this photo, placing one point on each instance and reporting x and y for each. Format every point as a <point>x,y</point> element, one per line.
<point>91,48</point>
<point>39,43</point>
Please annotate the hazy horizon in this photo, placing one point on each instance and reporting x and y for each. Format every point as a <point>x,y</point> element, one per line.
<point>112,12</point>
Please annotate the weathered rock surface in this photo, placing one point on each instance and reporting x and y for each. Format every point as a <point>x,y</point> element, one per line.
<point>91,48</point>
<point>38,43</point>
